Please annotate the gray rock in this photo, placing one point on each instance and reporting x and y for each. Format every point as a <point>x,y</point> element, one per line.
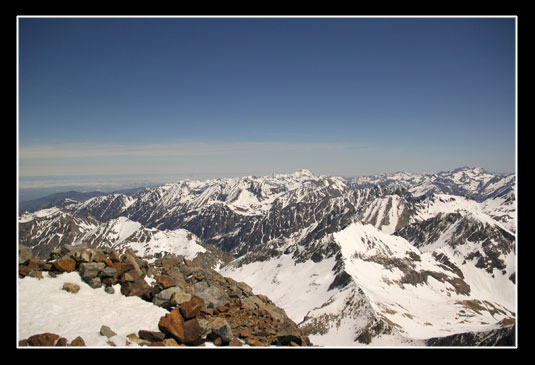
<point>108,272</point>
<point>109,289</point>
<point>289,333</point>
<point>25,254</point>
<point>151,336</point>
<point>179,297</point>
<point>221,328</point>
<point>213,297</point>
<point>89,271</point>
<point>95,282</point>
<point>65,249</point>
<point>163,298</point>
<point>106,331</point>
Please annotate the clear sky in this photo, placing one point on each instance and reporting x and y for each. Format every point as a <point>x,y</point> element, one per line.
<point>254,96</point>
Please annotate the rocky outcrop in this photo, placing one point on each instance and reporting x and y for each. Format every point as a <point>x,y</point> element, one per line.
<point>202,304</point>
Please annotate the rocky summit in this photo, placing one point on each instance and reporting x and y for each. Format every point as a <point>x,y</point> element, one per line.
<point>203,306</point>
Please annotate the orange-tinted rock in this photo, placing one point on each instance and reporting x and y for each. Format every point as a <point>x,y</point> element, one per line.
<point>65,264</point>
<point>172,324</point>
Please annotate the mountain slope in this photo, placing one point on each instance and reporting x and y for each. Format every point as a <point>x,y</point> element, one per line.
<point>384,260</point>
<point>46,230</point>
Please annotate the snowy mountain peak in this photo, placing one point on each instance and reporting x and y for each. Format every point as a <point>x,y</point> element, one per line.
<point>303,172</point>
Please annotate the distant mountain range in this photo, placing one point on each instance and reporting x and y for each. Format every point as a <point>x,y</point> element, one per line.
<point>63,198</point>
<point>394,259</point>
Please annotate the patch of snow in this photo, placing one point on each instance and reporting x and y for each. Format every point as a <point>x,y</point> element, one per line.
<point>44,307</point>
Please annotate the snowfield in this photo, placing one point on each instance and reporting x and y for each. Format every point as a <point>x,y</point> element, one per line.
<point>44,307</point>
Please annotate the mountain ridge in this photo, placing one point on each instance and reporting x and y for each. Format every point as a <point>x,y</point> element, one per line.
<point>275,224</point>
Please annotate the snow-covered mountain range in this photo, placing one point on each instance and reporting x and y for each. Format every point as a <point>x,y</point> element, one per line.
<point>392,259</point>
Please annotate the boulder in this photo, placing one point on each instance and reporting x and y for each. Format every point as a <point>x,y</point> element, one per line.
<point>192,308</point>
<point>91,270</point>
<point>192,332</point>
<point>172,324</point>
<point>289,333</point>
<point>106,331</point>
<point>163,298</point>
<point>64,264</point>
<point>108,272</point>
<point>43,339</point>
<point>137,288</point>
<point>25,254</point>
<point>78,341</point>
<point>35,263</point>
<point>71,288</point>
<point>180,297</point>
<point>99,256</point>
<point>61,342</point>
<point>95,282</point>
<point>24,270</point>
<point>151,336</point>
<point>131,259</point>
<point>84,255</point>
<point>213,297</point>
<point>165,282</point>
<point>122,267</point>
<point>221,329</point>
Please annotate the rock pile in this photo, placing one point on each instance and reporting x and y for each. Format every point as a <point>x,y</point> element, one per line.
<point>202,304</point>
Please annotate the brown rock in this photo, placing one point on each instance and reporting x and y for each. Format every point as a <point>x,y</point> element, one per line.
<point>65,264</point>
<point>151,336</point>
<point>24,270</point>
<point>62,342</point>
<point>43,339</point>
<point>78,341</point>
<point>131,275</point>
<point>35,263</point>
<point>192,308</point>
<point>71,288</point>
<point>172,324</point>
<point>164,281</point>
<point>99,256</point>
<point>192,332</point>
<point>134,288</point>
<point>130,258</point>
<point>122,267</point>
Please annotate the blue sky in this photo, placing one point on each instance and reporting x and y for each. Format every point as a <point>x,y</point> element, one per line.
<point>254,96</point>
